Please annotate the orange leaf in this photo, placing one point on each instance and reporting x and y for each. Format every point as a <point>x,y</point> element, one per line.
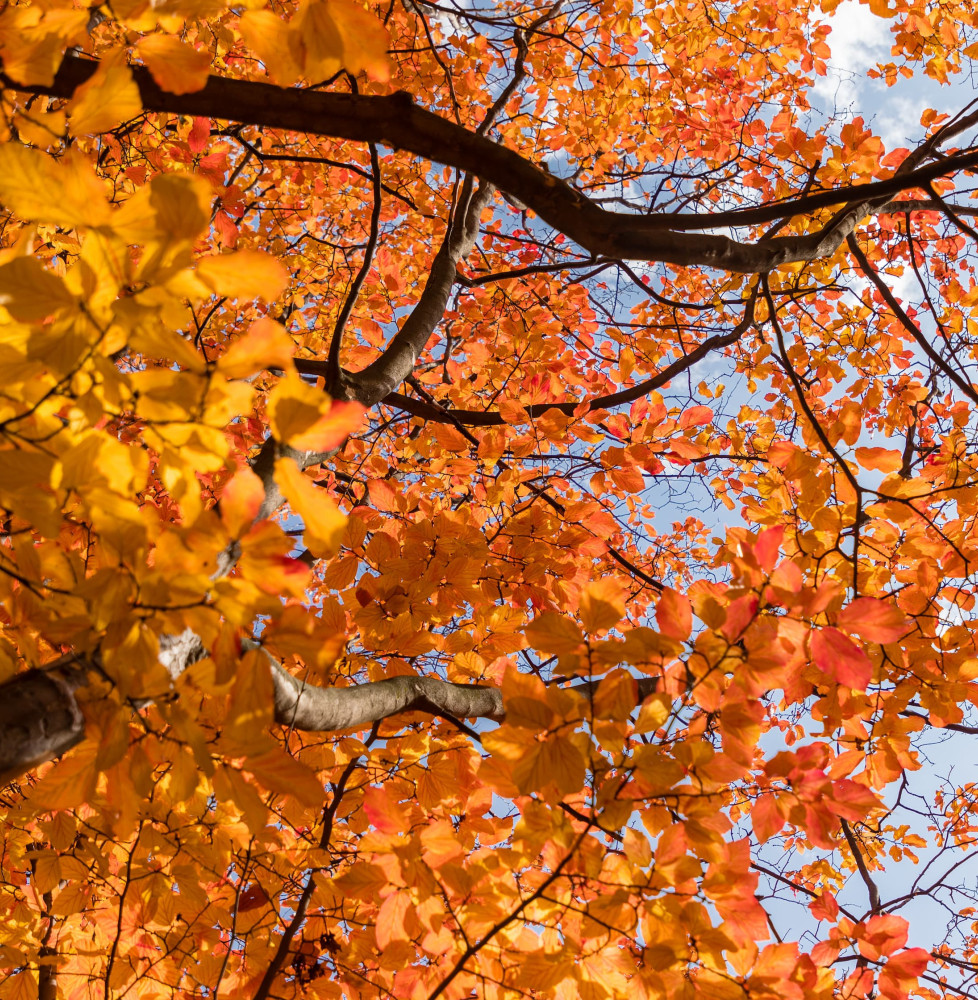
<point>265,345</point>
<point>439,843</point>
<point>307,419</point>
<point>882,935</point>
<point>873,620</point>
<point>879,459</point>
<point>241,499</point>
<point>674,615</point>
<point>841,659</point>
<point>383,811</point>
<point>616,697</point>
<point>602,605</point>
<point>392,917</point>
<point>175,65</point>
<point>282,773</point>
<point>554,633</point>
<point>322,520</point>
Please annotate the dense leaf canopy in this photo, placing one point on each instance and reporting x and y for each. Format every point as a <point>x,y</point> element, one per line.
<point>489,500</point>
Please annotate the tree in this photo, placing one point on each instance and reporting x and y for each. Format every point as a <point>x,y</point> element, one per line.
<point>353,359</point>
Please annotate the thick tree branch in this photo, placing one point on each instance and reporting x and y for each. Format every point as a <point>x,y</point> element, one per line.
<point>380,378</point>
<point>39,719</point>
<point>397,121</point>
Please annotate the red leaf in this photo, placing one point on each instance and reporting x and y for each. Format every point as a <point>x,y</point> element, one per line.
<point>882,935</point>
<point>200,134</point>
<point>841,659</point>
<point>695,416</point>
<point>674,614</point>
<point>873,620</point>
<point>825,907</point>
<point>766,817</point>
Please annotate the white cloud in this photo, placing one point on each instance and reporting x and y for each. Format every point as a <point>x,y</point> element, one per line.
<point>858,41</point>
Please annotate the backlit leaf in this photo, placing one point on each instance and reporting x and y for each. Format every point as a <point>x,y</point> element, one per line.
<point>873,620</point>
<point>323,522</point>
<point>244,274</point>
<point>175,65</point>
<point>107,99</point>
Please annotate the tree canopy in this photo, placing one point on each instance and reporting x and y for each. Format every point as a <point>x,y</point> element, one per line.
<point>488,503</point>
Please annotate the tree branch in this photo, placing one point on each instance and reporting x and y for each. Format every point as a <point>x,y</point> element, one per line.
<point>397,121</point>
<point>492,418</point>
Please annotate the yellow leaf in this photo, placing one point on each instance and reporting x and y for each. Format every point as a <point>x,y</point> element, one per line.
<point>269,37</point>
<point>551,632</point>
<point>616,697</point>
<point>174,206</point>
<point>21,986</point>
<point>338,34</point>
<point>175,65</point>
<point>69,783</point>
<point>33,42</point>
<point>30,293</point>
<point>602,605</point>
<point>306,419</point>
<point>41,128</point>
<point>252,707</point>
<point>106,100</point>
<point>47,871</point>
<point>244,274</point>
<point>324,523</point>
<point>130,654</point>
<point>324,37</point>
<point>281,773</point>
<point>39,189</point>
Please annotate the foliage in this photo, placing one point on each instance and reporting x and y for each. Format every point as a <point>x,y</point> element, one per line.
<point>489,501</point>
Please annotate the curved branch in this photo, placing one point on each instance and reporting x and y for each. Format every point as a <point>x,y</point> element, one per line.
<point>492,418</point>
<point>397,121</point>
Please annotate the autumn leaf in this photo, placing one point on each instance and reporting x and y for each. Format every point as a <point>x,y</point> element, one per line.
<point>109,98</point>
<point>38,188</point>
<point>175,65</point>
<point>323,522</point>
<point>243,274</point>
<point>281,773</point>
<point>879,459</point>
<point>553,633</point>
<point>674,614</point>
<point>306,419</point>
<point>840,659</point>
<point>324,37</point>
<point>241,499</point>
<point>873,620</point>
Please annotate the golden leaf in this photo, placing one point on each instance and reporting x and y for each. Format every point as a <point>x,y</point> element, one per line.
<point>244,274</point>
<point>176,66</point>
<point>106,100</point>
<point>324,522</point>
